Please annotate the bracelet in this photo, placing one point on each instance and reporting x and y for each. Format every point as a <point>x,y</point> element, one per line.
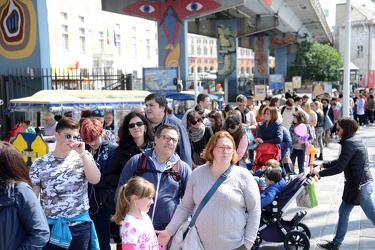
<point>83,154</point>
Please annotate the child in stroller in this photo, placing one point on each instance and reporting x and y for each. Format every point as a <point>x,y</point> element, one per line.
<point>274,228</point>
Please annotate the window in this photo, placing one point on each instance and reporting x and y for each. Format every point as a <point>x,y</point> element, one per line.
<point>360,51</point>
<point>82,40</point>
<point>199,50</point>
<point>205,51</point>
<point>118,44</point>
<point>148,51</point>
<point>101,41</point>
<point>64,15</point>
<point>198,41</point>
<point>65,37</point>
<point>192,50</point>
<point>134,42</point>
<point>211,51</point>
<point>81,19</point>
<point>134,46</point>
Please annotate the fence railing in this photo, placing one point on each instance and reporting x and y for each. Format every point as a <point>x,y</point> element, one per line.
<point>20,83</point>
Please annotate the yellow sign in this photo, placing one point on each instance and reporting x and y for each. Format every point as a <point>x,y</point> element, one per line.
<point>297,82</point>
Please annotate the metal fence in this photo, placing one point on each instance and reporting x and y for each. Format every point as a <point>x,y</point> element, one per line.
<point>20,83</point>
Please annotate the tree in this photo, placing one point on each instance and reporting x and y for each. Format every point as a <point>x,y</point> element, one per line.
<point>316,62</point>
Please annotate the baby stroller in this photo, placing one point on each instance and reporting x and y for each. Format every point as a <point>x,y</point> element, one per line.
<point>273,228</point>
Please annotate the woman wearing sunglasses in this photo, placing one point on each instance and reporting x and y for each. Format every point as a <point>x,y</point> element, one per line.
<point>236,130</point>
<point>237,198</point>
<point>102,151</point>
<point>135,135</point>
<point>199,134</point>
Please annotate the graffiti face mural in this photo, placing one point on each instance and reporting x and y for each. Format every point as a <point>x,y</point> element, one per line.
<point>17,28</point>
<point>170,15</point>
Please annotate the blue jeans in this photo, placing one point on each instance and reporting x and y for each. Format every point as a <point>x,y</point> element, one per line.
<point>367,205</point>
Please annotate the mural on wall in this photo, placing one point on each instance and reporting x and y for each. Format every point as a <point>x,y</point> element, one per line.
<point>17,29</point>
<point>170,15</point>
<point>227,50</point>
<point>261,56</point>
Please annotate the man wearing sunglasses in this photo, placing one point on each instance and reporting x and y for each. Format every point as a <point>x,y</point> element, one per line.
<point>161,161</point>
<point>156,113</point>
<point>61,178</point>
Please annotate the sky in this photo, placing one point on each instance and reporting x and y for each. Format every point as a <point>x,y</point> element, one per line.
<point>331,7</point>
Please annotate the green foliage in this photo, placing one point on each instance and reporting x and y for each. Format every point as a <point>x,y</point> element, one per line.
<point>316,62</point>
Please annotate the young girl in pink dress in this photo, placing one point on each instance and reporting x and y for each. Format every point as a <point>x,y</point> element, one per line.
<point>133,202</point>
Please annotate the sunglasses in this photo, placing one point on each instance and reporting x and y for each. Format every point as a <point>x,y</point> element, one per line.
<point>195,122</point>
<point>68,136</point>
<point>232,126</point>
<point>98,112</point>
<point>138,124</point>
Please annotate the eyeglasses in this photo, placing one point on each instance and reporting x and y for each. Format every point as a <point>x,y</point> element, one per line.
<point>232,126</point>
<point>166,138</point>
<point>94,141</point>
<point>138,124</point>
<point>98,112</point>
<point>195,122</point>
<point>69,136</point>
<point>222,148</point>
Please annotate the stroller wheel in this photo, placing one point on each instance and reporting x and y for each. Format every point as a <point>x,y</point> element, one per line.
<point>257,242</point>
<point>304,229</point>
<point>296,240</point>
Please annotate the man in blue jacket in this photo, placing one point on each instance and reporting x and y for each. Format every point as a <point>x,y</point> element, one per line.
<point>157,166</point>
<point>156,113</point>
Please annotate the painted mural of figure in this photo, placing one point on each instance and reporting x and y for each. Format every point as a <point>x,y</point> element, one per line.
<point>170,15</point>
<point>227,50</point>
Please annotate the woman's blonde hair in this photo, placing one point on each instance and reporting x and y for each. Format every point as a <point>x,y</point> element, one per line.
<point>209,149</point>
<point>137,186</point>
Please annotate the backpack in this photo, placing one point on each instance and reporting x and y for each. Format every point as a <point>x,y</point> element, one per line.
<point>283,108</point>
<point>174,171</point>
<point>265,152</point>
<point>14,131</point>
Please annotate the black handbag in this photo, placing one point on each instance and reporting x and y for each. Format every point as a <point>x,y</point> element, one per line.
<point>351,193</point>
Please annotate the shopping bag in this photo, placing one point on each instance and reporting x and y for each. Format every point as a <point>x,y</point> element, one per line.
<point>327,123</point>
<point>307,197</point>
<point>312,194</point>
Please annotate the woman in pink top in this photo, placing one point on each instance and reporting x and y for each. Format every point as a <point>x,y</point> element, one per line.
<point>236,130</point>
<point>133,202</point>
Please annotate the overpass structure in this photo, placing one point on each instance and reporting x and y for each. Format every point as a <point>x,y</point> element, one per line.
<point>262,25</point>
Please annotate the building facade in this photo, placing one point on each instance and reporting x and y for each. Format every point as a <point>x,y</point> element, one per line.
<point>362,41</point>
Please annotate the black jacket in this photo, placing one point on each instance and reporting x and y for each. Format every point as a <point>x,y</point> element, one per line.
<point>119,158</point>
<point>353,160</point>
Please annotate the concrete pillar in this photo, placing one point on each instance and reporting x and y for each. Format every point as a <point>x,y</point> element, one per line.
<point>281,60</point>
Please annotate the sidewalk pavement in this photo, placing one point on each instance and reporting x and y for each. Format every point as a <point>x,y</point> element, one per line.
<point>322,220</point>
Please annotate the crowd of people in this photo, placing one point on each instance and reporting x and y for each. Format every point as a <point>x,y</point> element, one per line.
<point>153,173</point>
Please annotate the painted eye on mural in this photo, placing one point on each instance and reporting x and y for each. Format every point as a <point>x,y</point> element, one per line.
<point>147,8</point>
<point>194,6</point>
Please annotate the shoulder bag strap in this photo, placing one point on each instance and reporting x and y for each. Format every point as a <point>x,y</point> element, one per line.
<point>209,194</point>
